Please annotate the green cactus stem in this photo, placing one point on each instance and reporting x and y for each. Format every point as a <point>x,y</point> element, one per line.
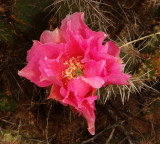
<point>31,17</point>
<point>7,33</point>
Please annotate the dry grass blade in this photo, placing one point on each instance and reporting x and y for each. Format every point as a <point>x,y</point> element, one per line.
<point>147,105</point>
<point>94,15</point>
<point>110,136</point>
<point>46,130</point>
<point>142,38</point>
<point>100,133</point>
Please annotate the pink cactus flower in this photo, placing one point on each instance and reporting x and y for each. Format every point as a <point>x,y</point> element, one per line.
<point>73,60</point>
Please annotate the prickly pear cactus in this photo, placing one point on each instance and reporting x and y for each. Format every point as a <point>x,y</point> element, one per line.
<point>7,33</point>
<point>6,102</point>
<point>94,16</point>
<point>143,64</point>
<point>153,43</point>
<point>10,136</point>
<point>31,16</point>
<point>149,68</point>
<point>26,20</point>
<point>155,62</point>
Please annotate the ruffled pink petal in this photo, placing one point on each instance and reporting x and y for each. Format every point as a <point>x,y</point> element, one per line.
<point>94,49</point>
<point>51,36</point>
<point>84,106</point>
<point>74,24</point>
<point>55,68</point>
<point>98,51</point>
<point>87,109</point>
<point>115,68</point>
<point>73,47</point>
<point>75,21</point>
<point>48,74</point>
<point>112,49</point>
<point>95,82</point>
<point>49,50</point>
<point>79,87</point>
<point>94,68</point>
<point>33,50</point>
<point>100,36</point>
<point>55,94</point>
<point>71,99</point>
<point>33,70</point>
<point>119,79</point>
<point>113,62</point>
<point>79,97</point>
<point>63,92</point>
<point>119,60</point>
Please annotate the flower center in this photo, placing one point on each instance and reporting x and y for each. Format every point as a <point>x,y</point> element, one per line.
<point>75,68</point>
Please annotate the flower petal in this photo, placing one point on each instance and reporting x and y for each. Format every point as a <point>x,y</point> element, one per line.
<point>73,47</point>
<point>32,73</point>
<point>51,36</point>
<point>94,68</point>
<point>55,94</point>
<point>53,75</point>
<point>95,82</point>
<point>113,50</point>
<point>71,99</point>
<point>33,50</point>
<point>87,109</point>
<point>55,68</point>
<point>37,54</point>
<point>99,51</point>
<point>119,79</point>
<point>75,24</point>
<point>79,87</point>
<point>115,68</point>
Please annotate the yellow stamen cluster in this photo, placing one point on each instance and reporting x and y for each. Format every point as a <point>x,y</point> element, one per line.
<point>75,68</point>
